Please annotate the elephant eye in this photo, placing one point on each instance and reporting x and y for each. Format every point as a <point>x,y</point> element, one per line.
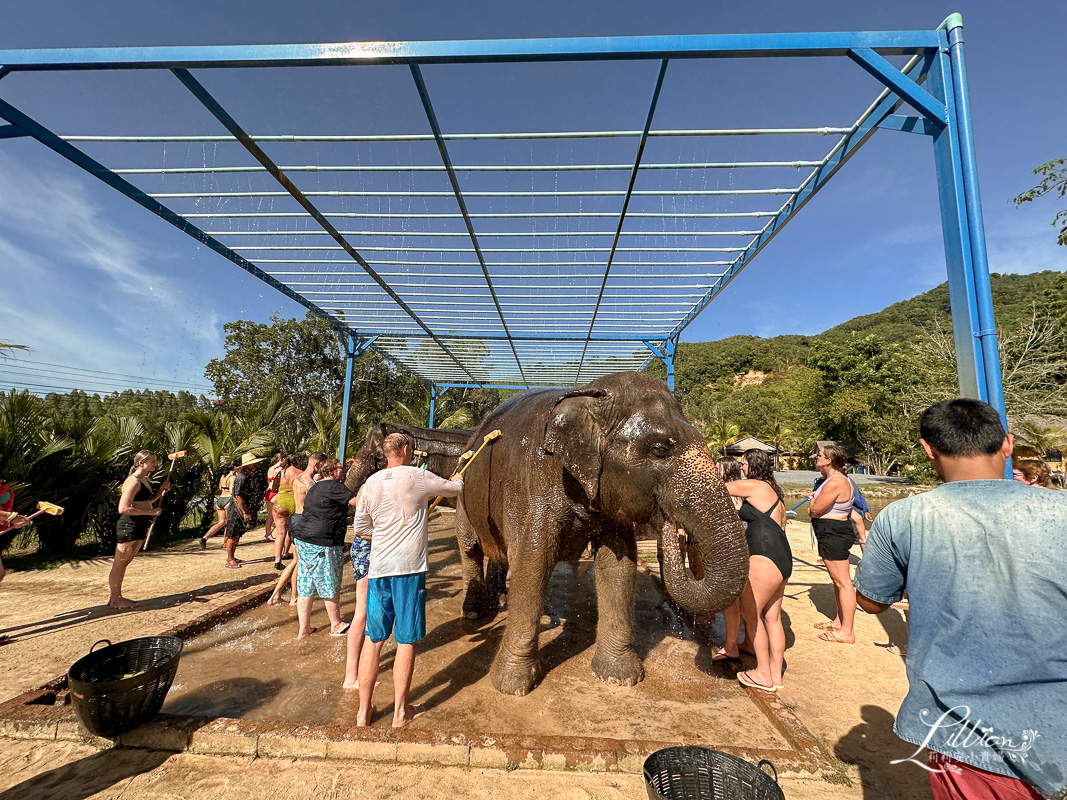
<point>660,450</point>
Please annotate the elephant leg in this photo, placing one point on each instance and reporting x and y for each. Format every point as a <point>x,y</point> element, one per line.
<point>516,668</point>
<point>476,596</point>
<point>496,581</point>
<point>615,661</point>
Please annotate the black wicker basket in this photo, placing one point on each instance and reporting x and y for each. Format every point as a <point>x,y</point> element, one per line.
<point>696,773</point>
<point>123,685</point>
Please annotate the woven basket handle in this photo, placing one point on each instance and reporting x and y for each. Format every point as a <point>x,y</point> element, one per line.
<point>763,761</point>
<point>108,643</point>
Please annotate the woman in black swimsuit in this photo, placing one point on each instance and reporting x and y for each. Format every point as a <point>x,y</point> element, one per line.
<point>135,506</point>
<point>770,564</point>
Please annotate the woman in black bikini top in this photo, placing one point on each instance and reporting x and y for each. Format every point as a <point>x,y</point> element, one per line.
<point>770,565</point>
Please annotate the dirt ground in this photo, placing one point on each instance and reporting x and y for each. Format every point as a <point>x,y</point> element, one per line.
<point>845,695</point>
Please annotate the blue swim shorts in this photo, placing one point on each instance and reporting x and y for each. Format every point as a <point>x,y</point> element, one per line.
<point>398,600</point>
<point>319,571</point>
<point>360,558</point>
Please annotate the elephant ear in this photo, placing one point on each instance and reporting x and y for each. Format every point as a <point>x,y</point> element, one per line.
<point>574,435</point>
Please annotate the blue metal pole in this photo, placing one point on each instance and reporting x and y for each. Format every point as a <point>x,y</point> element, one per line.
<point>959,262</point>
<point>987,329</point>
<point>669,361</point>
<point>433,403</point>
<point>347,397</point>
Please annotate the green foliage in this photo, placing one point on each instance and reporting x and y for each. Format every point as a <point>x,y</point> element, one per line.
<point>721,434</point>
<point>906,321</point>
<point>1053,181</point>
<point>302,359</point>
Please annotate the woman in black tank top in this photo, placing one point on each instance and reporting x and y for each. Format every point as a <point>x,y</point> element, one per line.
<point>135,506</point>
<point>770,565</point>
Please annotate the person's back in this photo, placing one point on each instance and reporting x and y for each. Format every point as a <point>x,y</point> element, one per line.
<point>987,587</point>
<point>395,501</point>
<point>984,565</point>
<point>392,510</point>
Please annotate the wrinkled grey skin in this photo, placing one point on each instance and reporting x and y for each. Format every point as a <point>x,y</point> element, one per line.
<point>443,447</point>
<point>589,465</point>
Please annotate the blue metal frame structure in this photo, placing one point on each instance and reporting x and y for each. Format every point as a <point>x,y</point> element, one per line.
<point>460,311</point>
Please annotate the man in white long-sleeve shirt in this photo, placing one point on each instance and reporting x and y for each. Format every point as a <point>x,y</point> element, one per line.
<point>392,512</point>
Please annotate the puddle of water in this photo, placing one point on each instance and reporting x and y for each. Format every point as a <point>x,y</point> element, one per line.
<point>252,667</point>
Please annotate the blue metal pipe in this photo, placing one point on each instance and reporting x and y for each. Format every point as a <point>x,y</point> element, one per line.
<point>983,296</point>
<point>741,45</point>
<point>952,197</point>
<point>672,346</point>
<point>346,399</point>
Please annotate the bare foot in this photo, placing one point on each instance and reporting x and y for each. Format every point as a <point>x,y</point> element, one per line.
<point>308,632</point>
<point>121,603</point>
<point>364,720</point>
<point>410,712</point>
<point>355,685</point>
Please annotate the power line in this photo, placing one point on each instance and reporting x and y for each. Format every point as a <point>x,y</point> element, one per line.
<point>97,377</point>
<point>20,362</point>
<point>116,383</point>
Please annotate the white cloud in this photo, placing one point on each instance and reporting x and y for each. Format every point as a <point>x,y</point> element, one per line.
<point>56,213</point>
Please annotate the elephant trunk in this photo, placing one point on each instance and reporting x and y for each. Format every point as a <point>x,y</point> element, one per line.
<point>363,466</point>
<point>696,503</point>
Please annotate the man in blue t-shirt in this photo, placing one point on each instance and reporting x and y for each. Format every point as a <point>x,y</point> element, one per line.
<point>984,563</point>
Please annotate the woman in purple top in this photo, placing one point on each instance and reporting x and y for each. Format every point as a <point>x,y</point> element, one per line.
<point>830,507</point>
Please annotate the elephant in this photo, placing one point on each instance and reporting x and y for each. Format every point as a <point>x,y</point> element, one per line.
<point>590,466</point>
<point>442,446</point>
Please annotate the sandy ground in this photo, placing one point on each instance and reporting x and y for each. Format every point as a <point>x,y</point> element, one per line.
<point>845,695</point>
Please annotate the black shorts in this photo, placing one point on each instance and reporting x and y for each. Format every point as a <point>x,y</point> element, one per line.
<point>131,529</point>
<point>235,523</point>
<point>835,538</point>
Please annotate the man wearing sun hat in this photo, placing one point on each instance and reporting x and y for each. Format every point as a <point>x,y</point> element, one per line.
<point>242,497</point>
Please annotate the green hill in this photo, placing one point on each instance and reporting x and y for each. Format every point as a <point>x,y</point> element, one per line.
<point>1013,297</point>
<point>861,382</point>
<point>704,363</point>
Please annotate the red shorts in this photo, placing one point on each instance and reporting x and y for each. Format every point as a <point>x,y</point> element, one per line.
<point>955,780</point>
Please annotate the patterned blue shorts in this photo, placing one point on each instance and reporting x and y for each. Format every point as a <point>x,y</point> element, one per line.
<point>319,571</point>
<point>360,558</point>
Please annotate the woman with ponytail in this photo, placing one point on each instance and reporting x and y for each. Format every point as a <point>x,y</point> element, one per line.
<point>137,513</point>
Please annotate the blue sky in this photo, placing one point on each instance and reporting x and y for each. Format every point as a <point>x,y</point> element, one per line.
<point>97,283</point>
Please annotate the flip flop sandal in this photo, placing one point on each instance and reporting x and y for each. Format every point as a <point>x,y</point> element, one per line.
<point>234,566</point>
<point>824,626</point>
<point>342,632</point>
<point>721,656</point>
<point>744,680</point>
<point>833,637</point>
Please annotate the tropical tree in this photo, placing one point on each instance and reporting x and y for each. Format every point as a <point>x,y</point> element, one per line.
<point>1040,439</point>
<point>1053,181</point>
<point>720,434</point>
<point>300,359</point>
<point>779,434</point>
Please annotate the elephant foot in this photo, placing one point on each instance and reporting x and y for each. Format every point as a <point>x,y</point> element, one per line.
<point>476,602</point>
<point>618,669</point>
<point>518,676</point>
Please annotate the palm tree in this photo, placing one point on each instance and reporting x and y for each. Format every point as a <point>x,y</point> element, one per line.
<point>779,434</point>
<point>721,434</point>
<point>1032,435</point>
